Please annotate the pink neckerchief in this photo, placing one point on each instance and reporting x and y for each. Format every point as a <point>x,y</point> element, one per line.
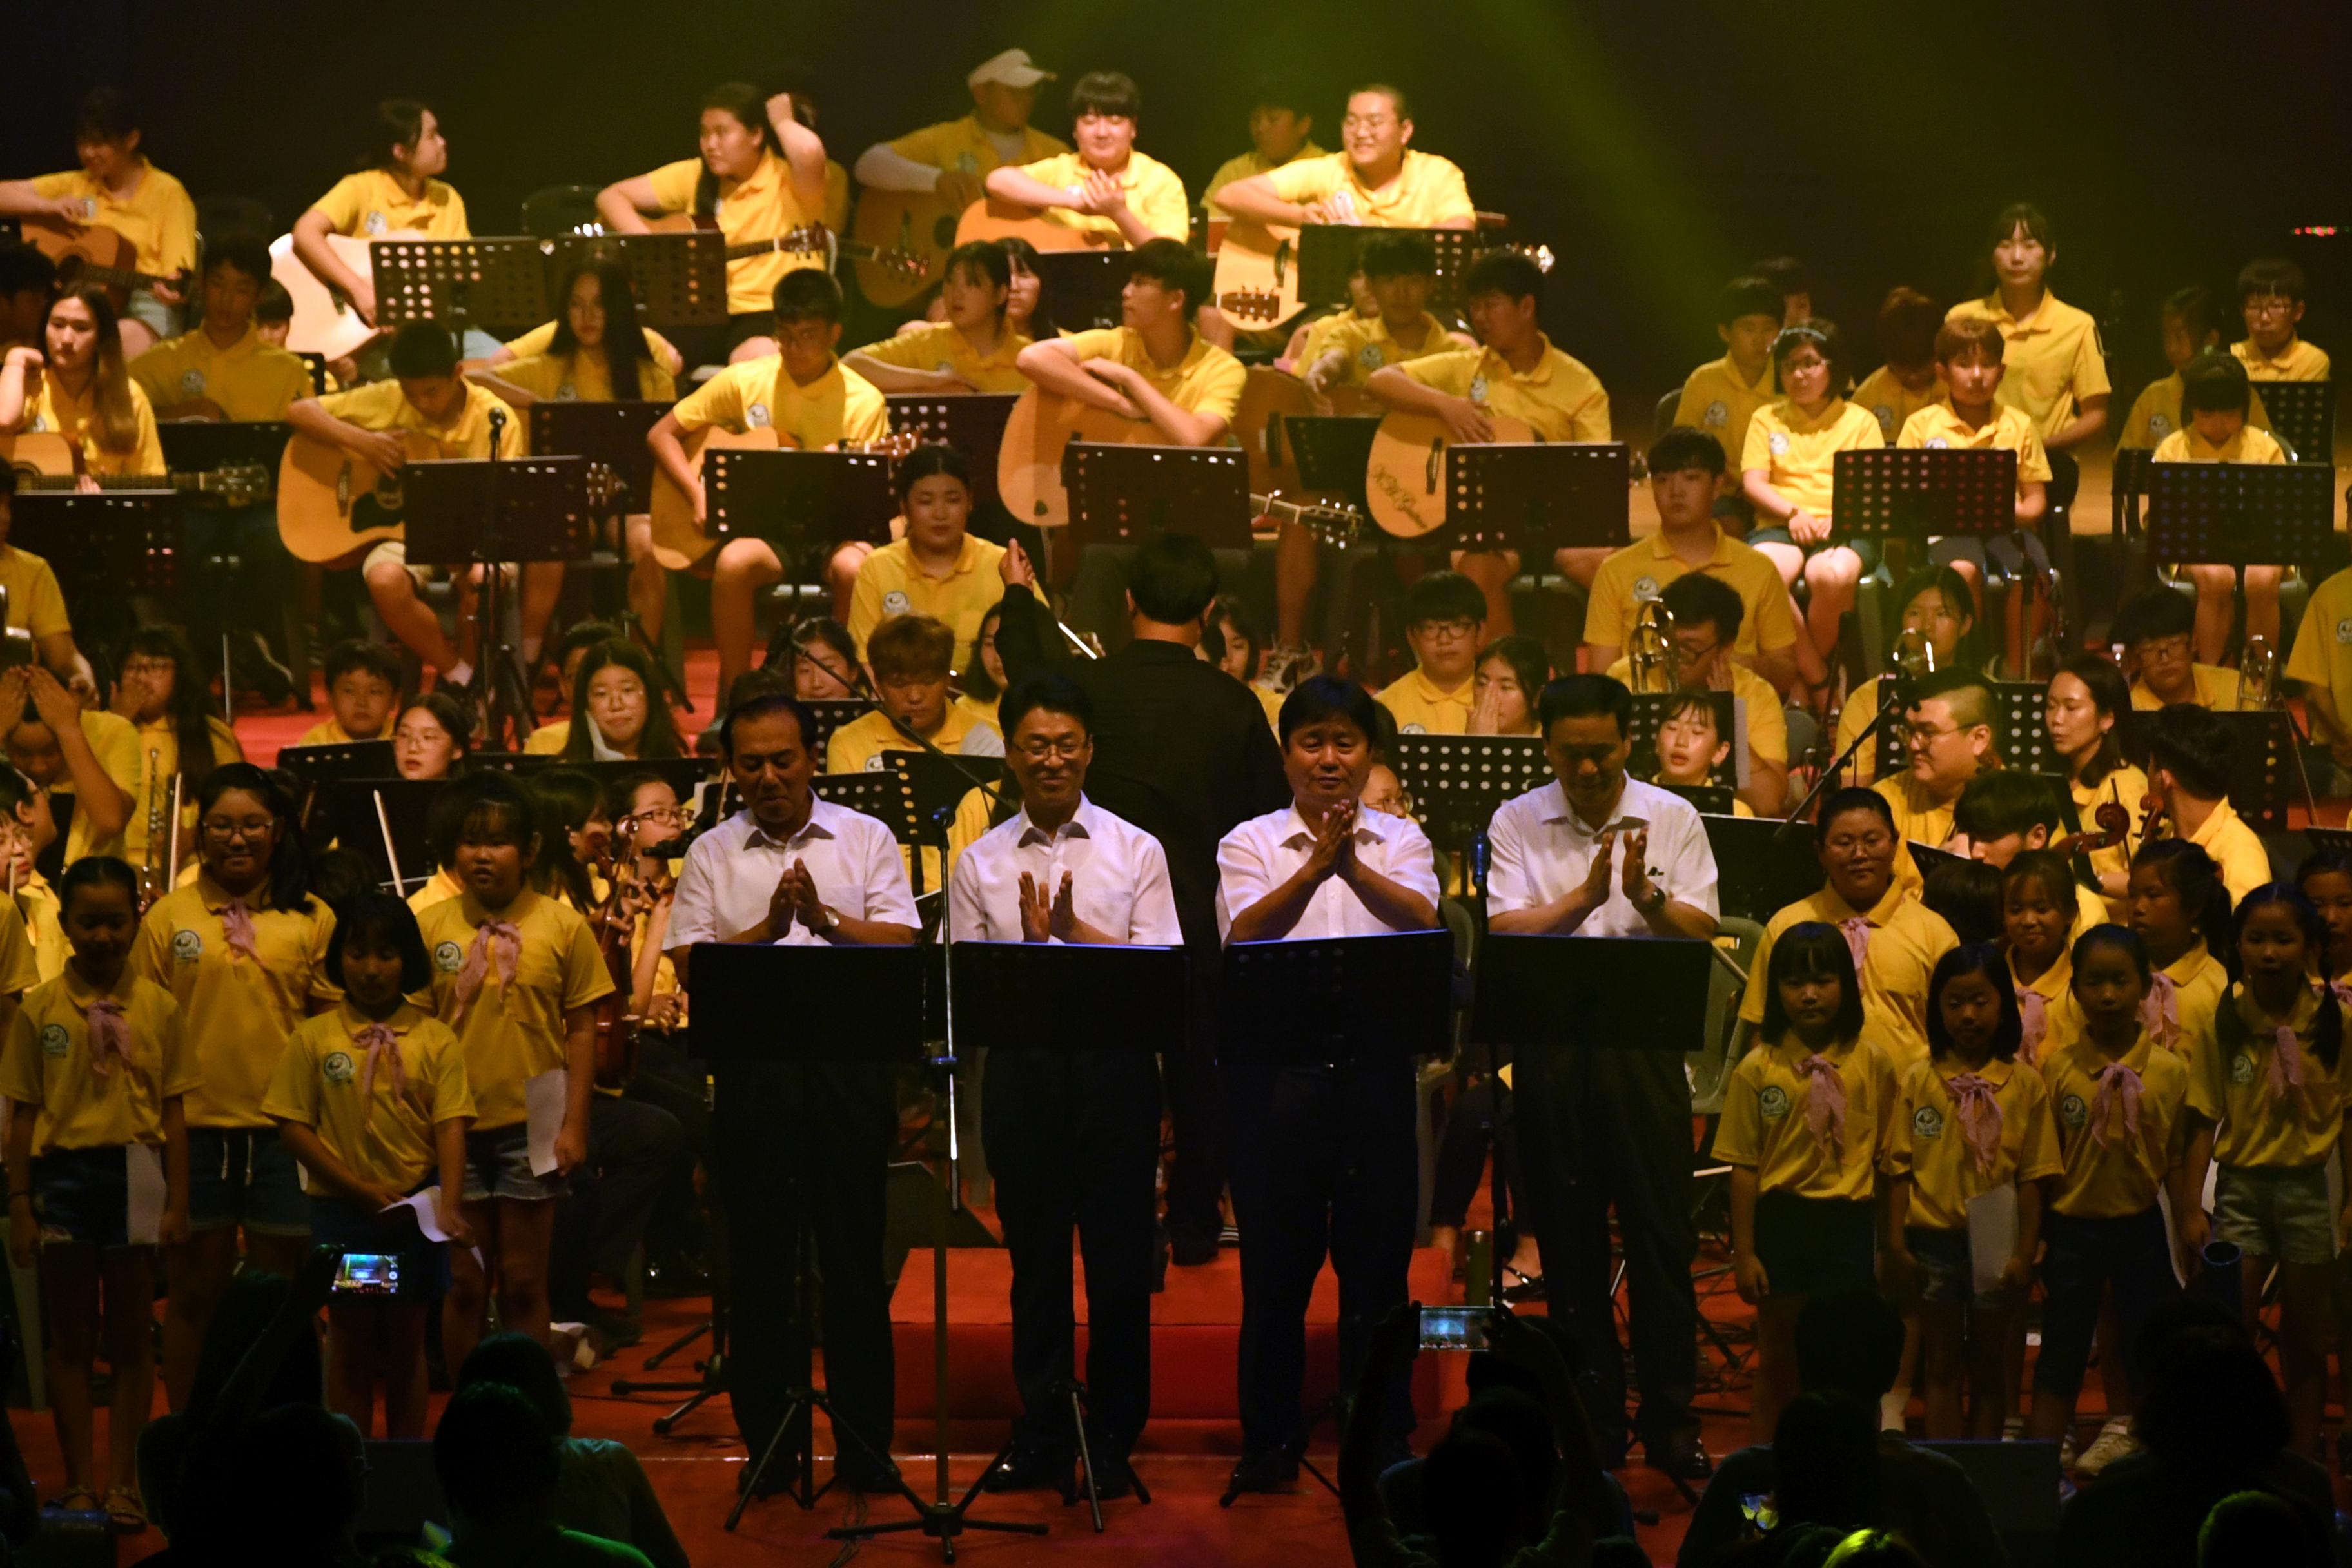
<point>2286,1063</point>
<point>381,1045</point>
<point>237,924</point>
<point>498,946</point>
<point>2342,991</point>
<point>2034,1012</point>
<point>109,1034</point>
<point>1978,1105</point>
<point>2117,1098</point>
<point>2159,1010</point>
<point>1824,1100</point>
<point>1856,931</point>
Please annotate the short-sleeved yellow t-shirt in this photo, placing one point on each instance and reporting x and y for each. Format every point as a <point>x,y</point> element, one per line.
<point>2236,848</point>
<point>541,340</point>
<point>1917,818</point>
<point>1936,428</point>
<point>940,346</point>
<point>1905,939</point>
<point>50,409</point>
<point>114,741</point>
<point>1207,380</point>
<point>158,743</point>
<point>1367,344</point>
<point>513,1030</point>
<point>1647,567</point>
<point>2216,688</point>
<point>2156,413</point>
<point>583,377</point>
<point>1891,403</point>
<point>248,381</point>
<point>756,394</point>
<point>1249,165</point>
<point>37,907</point>
<point>2113,1172</point>
<point>1154,195</point>
<point>1427,192</point>
<point>20,964</point>
<point>331,733</point>
<point>2231,1081</point>
<point>47,1063</point>
<point>378,1126</point>
<point>157,216</point>
<point>2323,647</point>
<point>1798,452</point>
<point>1929,1146</point>
<point>2248,445</point>
<point>2054,359</point>
<point>1422,707</point>
<point>890,584</point>
<point>1768,721</point>
<point>372,204</point>
<point>236,1011</point>
<point>1764,1124</point>
<point>35,603</point>
<point>2299,361</point>
<point>760,206</point>
<point>1562,399</point>
<point>965,147</point>
<point>379,405</point>
<point>857,746</point>
<point>1718,401</point>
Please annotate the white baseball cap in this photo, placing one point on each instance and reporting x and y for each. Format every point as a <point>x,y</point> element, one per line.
<point>1012,67</point>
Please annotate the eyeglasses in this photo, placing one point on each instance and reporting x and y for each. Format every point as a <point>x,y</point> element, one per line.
<point>1695,652</point>
<point>660,814</point>
<point>1927,735</point>
<point>1365,122</point>
<point>2269,305</point>
<point>143,668</point>
<point>1456,629</point>
<point>230,832</point>
<point>1067,748</point>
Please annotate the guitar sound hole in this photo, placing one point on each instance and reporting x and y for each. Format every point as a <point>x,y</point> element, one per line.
<point>943,233</point>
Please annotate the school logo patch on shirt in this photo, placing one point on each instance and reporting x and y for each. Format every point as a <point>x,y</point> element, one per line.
<point>567,392</point>
<point>1885,414</point>
<point>1370,357</point>
<point>2242,1068</point>
<point>1717,412</point>
<point>2160,424</point>
<point>756,416</point>
<point>1778,443</point>
<point>89,208</point>
<point>1645,588</point>
<point>191,381</point>
<point>894,602</point>
<point>1927,1123</point>
<point>874,763</point>
<point>55,1041</point>
<point>1935,442</point>
<point>374,224</point>
<point>337,1068</point>
<point>1411,730</point>
<point>448,958</point>
<point>2344,631</point>
<point>187,946</point>
<point>40,423</point>
<point>967,164</point>
<point>2072,1111</point>
<point>1772,1102</point>
<point>1478,390</point>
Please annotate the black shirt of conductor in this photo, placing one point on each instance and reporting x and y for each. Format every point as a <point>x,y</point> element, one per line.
<point>1596,854</point>
<point>793,869</point>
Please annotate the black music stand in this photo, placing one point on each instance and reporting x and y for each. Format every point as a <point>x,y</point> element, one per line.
<point>680,279</point>
<point>796,499</point>
<point>831,713</point>
<point>1650,717</point>
<point>2242,514</point>
<point>613,435</point>
<point>1122,494</point>
<point>1081,289</point>
<point>202,446</point>
<point>2304,413</point>
<point>938,785</point>
<point>2265,762</point>
<point>351,821</point>
<point>1334,450</point>
<point>1911,492</point>
<point>971,422</point>
<point>1708,799</point>
<point>2019,736</point>
<point>1537,497</point>
<point>852,1006</point>
<point>489,513</point>
<point>1458,781</point>
<point>105,548</point>
<point>460,282</point>
<point>319,767</point>
<point>684,774</point>
<point>1760,866</point>
<point>1326,258</point>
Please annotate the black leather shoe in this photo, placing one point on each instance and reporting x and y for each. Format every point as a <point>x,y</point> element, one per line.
<point>1189,1246</point>
<point>1032,1470</point>
<point>1268,1470</point>
<point>1683,1456</point>
<point>862,1477</point>
<point>1113,1479</point>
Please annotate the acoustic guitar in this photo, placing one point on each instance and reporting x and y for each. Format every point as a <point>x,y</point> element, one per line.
<point>333,505</point>
<point>916,225</point>
<point>44,460</point>
<point>808,243</point>
<point>1256,281</point>
<point>1029,463</point>
<point>989,218</point>
<point>103,256</point>
<point>1404,480</point>
<point>324,322</point>
<point>679,543</point>
<point>1270,399</point>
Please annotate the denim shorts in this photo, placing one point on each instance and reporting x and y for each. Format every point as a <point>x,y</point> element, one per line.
<point>497,1165</point>
<point>1810,1247</point>
<point>83,1196</point>
<point>1867,549</point>
<point>343,1226</point>
<point>247,1176</point>
<point>1947,1269</point>
<point>2276,1211</point>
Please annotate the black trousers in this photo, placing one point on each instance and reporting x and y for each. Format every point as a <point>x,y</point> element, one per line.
<point>637,1151</point>
<point>1323,1161</point>
<point>805,1149</point>
<point>1478,1120</point>
<point>1196,1168</point>
<point>1072,1140</point>
<point>1612,1128</point>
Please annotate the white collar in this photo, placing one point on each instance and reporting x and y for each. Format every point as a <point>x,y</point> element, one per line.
<point>1631,802</point>
<point>1078,826</point>
<point>757,837</point>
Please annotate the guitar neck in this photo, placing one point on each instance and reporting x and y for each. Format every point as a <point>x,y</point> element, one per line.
<point>115,482</point>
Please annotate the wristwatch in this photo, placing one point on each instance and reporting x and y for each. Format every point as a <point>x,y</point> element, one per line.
<point>1651,906</point>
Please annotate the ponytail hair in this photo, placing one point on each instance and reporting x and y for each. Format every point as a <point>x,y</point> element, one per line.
<point>749,106</point>
<point>398,122</point>
<point>2194,877</point>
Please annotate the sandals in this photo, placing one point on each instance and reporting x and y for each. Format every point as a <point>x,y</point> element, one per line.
<point>75,1499</point>
<point>124,1511</point>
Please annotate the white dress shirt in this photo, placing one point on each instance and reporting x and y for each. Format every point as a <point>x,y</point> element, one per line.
<point>1119,878</point>
<point>1265,852</point>
<point>1540,851</point>
<point>732,872</point>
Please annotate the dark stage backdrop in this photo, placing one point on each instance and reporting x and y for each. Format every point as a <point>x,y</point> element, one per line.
<point>1654,147</point>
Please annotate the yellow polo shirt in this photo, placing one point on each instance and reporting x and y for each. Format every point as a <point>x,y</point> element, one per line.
<point>1928,1145</point>
<point>250,380</point>
<point>1718,401</point>
<point>1861,706</point>
<point>1768,721</point>
<point>438,888</point>
<point>47,1063</point>
<point>2199,983</point>
<point>890,582</point>
<point>158,743</point>
<point>2119,1177</point>
<point>1249,165</point>
<point>1799,454</point>
<point>857,746</point>
<point>1764,1127</point>
<point>2156,413</point>
<point>1422,707</point>
<point>1936,428</point>
<point>938,345</point>
<point>2323,645</point>
<point>836,196</point>
<point>387,1137</point>
<point>759,207</point>
<point>2235,848</point>
<point>541,338</point>
<point>50,409</point>
<point>964,146</point>
<point>1154,194</point>
<point>514,1030</point>
<point>35,603</point>
<point>2054,359</point>
<point>583,377</point>
<point>20,968</point>
<point>2299,361</point>
<point>549,740</point>
<point>839,406</point>
<point>2248,445</point>
<point>114,741</point>
<point>1906,938</point>
<point>2062,1016</point>
<point>1891,403</point>
<point>380,406</point>
<point>2229,1082</point>
<point>36,908</point>
<point>1427,192</point>
<point>2216,689</point>
<point>1917,819</point>
<point>1561,399</point>
<point>2127,786</point>
<point>333,733</point>
<point>1644,569</point>
<point>1207,380</point>
<point>157,216</point>
<point>371,202</point>
<point>236,1011</point>
<point>1368,345</point>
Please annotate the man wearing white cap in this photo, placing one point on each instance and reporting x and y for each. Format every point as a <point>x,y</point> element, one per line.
<point>954,156</point>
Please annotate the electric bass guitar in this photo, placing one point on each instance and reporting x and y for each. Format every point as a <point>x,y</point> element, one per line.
<point>681,542</point>
<point>103,256</point>
<point>324,322</point>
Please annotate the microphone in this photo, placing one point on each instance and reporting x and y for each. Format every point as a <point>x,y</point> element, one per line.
<point>1482,857</point>
<point>498,425</point>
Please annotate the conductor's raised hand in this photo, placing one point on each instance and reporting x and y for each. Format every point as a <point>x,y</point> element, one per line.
<point>1014,566</point>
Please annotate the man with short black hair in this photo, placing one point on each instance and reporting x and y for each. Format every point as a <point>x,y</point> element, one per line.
<point>1952,736</point>
<point>2189,775</point>
<point>1708,615</point>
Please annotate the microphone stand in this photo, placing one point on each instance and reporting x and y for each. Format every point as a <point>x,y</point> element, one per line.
<point>979,782</point>
<point>1898,696</point>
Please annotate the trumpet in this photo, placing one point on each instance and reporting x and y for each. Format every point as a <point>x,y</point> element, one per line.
<point>154,876</point>
<point>1652,657</point>
<point>2258,686</point>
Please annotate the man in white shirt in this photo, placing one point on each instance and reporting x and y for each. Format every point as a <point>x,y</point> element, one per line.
<point>1072,1137</point>
<point>1598,854</point>
<point>1321,1156</point>
<point>791,871</point>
